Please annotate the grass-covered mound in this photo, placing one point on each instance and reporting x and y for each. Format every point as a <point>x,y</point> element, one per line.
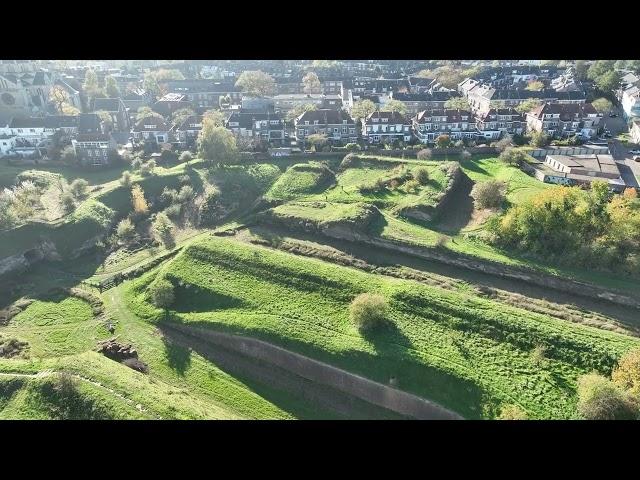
<point>301,180</point>
<point>470,354</point>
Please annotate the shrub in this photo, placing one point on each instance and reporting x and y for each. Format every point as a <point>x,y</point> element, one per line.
<point>539,139</point>
<point>68,155</point>
<point>422,175</point>
<point>600,399</point>
<point>127,157</point>
<point>352,147</point>
<point>538,355</point>
<point>186,194</point>
<point>173,211</point>
<point>125,179</point>
<point>136,163</point>
<point>168,196</point>
<point>424,154</point>
<point>140,206</point>
<point>489,194</point>
<point>186,157</point>
<point>184,179</point>
<point>504,143</point>
<point>126,230</point>
<point>163,230</point>
<point>412,186</point>
<point>512,412</point>
<point>161,293</point>
<point>630,193</point>
<point>79,187</point>
<point>349,161</point>
<point>443,141</point>
<point>626,375</point>
<point>368,311</point>
<point>465,155</point>
<point>210,209</point>
<point>68,203</point>
<point>147,168</point>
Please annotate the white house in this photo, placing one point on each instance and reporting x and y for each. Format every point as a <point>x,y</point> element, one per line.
<point>386,126</point>
<point>7,143</point>
<point>151,128</point>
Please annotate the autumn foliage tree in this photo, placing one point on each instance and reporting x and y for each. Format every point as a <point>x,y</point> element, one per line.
<point>256,83</point>
<point>140,205</point>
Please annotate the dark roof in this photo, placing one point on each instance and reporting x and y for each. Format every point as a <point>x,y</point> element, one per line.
<point>500,111</point>
<point>452,115</point>
<point>567,111</point>
<point>325,116</point>
<point>29,122</point>
<point>392,117</point>
<point>193,119</point>
<point>200,85</point>
<point>151,124</point>
<point>88,122</point>
<point>93,137</point>
<point>425,97</point>
<point>246,119</point>
<point>106,104</point>
<point>59,121</point>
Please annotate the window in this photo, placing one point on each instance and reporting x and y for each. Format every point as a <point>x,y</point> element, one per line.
<point>306,122</point>
<point>315,122</point>
<point>344,129</point>
<point>335,130</point>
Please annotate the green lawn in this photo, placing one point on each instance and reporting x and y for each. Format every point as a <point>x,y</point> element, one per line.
<point>300,180</point>
<point>470,354</point>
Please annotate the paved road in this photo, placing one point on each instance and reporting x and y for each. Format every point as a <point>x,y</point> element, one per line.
<point>629,169</point>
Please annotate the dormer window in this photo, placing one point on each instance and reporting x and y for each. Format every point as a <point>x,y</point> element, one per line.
<point>315,122</point>
<point>384,120</point>
<point>344,122</point>
<point>306,122</point>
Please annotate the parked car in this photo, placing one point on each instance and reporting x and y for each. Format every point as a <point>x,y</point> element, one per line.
<point>613,115</point>
<point>634,152</point>
<point>636,158</point>
<point>608,135</point>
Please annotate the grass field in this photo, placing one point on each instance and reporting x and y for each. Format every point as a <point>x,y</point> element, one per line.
<point>300,180</point>
<point>470,354</point>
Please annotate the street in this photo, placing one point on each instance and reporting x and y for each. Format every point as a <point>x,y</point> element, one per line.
<point>629,169</point>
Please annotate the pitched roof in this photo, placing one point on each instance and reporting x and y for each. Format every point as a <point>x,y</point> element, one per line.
<point>452,115</point>
<point>106,104</point>
<point>500,111</point>
<point>29,122</point>
<point>245,119</point>
<point>425,97</point>
<point>93,137</point>
<point>191,120</point>
<point>151,124</point>
<point>392,117</point>
<point>88,122</point>
<point>325,116</point>
<point>567,111</point>
<point>60,121</point>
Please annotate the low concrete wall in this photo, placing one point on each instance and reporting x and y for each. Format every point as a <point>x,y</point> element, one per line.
<point>375,393</point>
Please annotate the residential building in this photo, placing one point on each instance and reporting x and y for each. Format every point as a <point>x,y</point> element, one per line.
<point>564,120</point>
<point>417,102</point>
<point>170,103</point>
<point>205,94</point>
<point>95,149</point>
<point>284,103</point>
<point>580,170</point>
<point>634,131</point>
<point>7,143</point>
<point>630,100</point>
<point>135,99</point>
<point>483,97</point>
<point>337,125</point>
<point>116,109</point>
<point>499,121</point>
<point>420,84</point>
<point>258,104</point>
<point>24,89</point>
<point>458,124</point>
<point>187,132</point>
<point>151,129</point>
<point>268,127</point>
<point>386,127</point>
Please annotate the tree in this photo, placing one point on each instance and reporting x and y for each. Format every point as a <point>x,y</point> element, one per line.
<point>298,110</point>
<point>125,230</point>
<point>513,156</point>
<point>581,68</point>
<point>67,202</point>
<point>68,155</point>
<point>7,216</point>
<point>600,399</point>
<point>256,83</point>
<point>180,115</point>
<point>630,193</point>
<point>150,84</point>
<point>489,194</point>
<point>504,143</point>
<point>90,85</point>
<point>424,154</point>
<point>105,118</point>
<point>165,75</point>
<point>449,76</point>
<point>528,105</point>
<point>186,157</point>
<point>146,112</point>
<point>421,175</point>
<point>163,230</point>
<point>215,116</point>
<point>539,139</point>
<point>457,103</point>
<point>147,168</point>
<point>140,206</point>
<point>535,85</point>
<point>362,109</point>
<point>395,106</point>
<point>602,105</point>
<point>311,83</point>
<point>599,68</point>
<point>318,141</point>
<point>111,87</point>
<point>443,141</point>
<point>161,292</point>
<point>608,82</point>
<point>216,144</point>
<point>368,311</point>
<point>352,147</point>
<point>125,180</point>
<point>512,412</point>
<point>79,187</point>
<point>626,375</point>
<point>61,100</point>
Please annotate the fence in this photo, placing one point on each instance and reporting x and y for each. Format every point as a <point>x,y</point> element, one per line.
<point>590,150</point>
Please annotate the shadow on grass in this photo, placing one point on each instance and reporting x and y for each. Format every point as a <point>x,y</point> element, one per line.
<point>472,166</point>
<point>178,356</point>
<point>192,298</point>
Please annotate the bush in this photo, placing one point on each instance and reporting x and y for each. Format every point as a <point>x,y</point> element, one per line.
<point>184,179</point>
<point>173,211</point>
<point>136,163</point>
<point>443,141</point>
<point>368,311</point>
<point>412,186</point>
<point>127,157</point>
<point>68,203</point>
<point>186,194</point>
<point>68,155</point>
<point>422,175</point>
<point>186,157</point>
<point>161,293</point>
<point>126,230</point>
<point>465,155</point>
<point>163,230</point>
<point>504,143</point>
<point>147,168</point>
<point>600,399</point>
<point>349,161</point>
<point>539,139</point>
<point>424,154</point>
<point>489,194</point>
<point>538,355</point>
<point>79,187</point>
<point>512,412</point>
<point>626,375</point>
<point>125,179</point>
<point>352,147</point>
<point>210,209</point>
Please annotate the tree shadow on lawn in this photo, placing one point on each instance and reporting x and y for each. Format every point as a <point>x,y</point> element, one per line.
<point>193,298</point>
<point>178,356</point>
<point>473,166</point>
